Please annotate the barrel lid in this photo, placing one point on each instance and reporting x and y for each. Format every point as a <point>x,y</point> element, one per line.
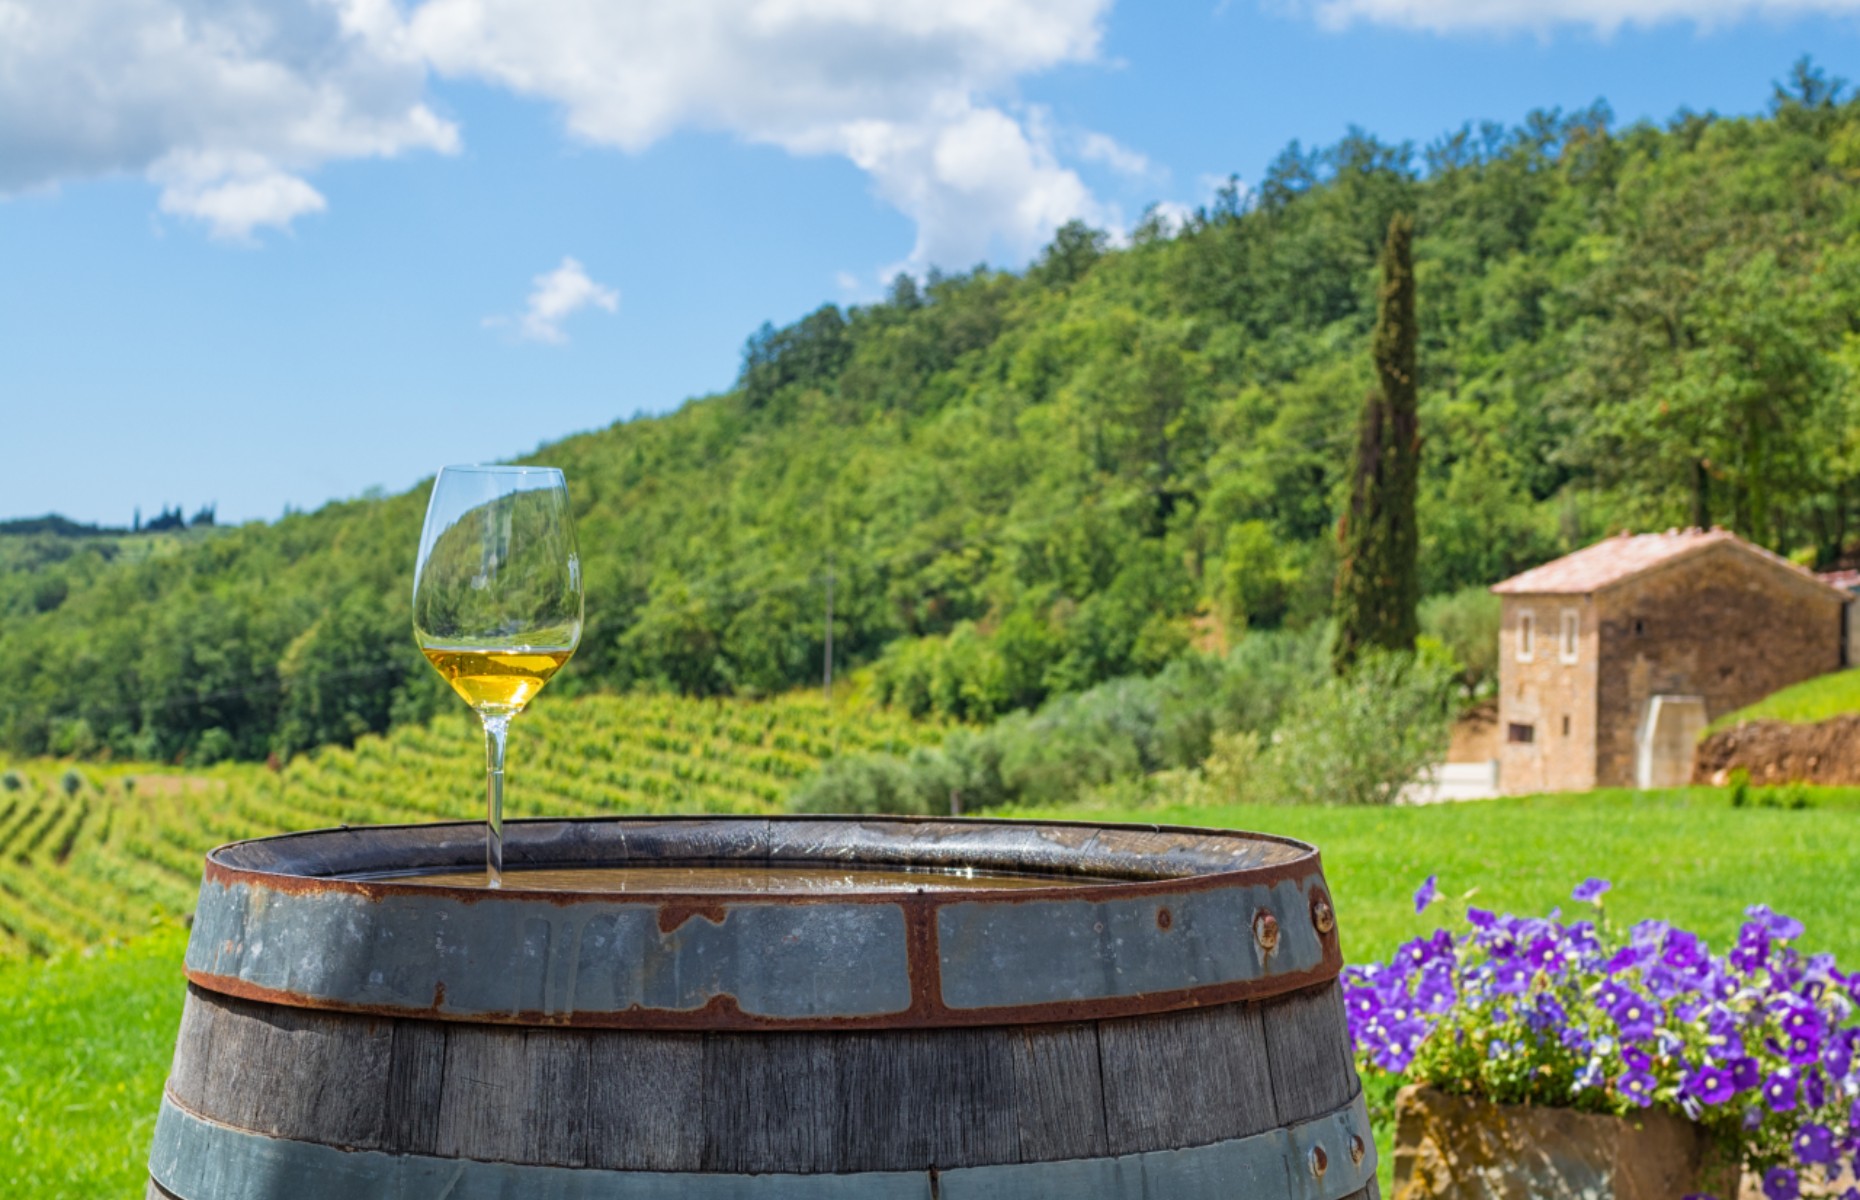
<point>1149,918</point>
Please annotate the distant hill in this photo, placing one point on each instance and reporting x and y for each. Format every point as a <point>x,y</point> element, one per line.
<point>55,525</point>
<point>1019,485</point>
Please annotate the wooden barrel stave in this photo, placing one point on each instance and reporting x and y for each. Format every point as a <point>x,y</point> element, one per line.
<point>1203,1097</point>
<point>763,1103</point>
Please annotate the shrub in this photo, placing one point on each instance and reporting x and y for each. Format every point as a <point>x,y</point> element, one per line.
<point>12,781</point>
<point>1466,622</point>
<point>1308,736</point>
<point>1363,737</point>
<point>71,781</point>
<point>1754,1045</point>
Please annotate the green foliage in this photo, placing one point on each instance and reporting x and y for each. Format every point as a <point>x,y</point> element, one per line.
<point>1465,624</point>
<point>1363,737</point>
<point>1257,578</point>
<point>1377,583</point>
<point>1267,723</point>
<point>1114,731</point>
<point>1068,476</point>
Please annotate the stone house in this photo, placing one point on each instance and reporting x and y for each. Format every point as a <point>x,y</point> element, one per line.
<point>1613,659</point>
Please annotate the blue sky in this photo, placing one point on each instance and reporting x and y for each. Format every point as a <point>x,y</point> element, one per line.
<point>352,240</point>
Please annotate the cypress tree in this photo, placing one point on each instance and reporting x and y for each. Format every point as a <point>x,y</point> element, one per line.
<point>1378,587</point>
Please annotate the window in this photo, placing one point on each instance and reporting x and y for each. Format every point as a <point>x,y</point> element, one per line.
<point>1565,724</point>
<point>1527,635</point>
<point>1640,627</point>
<point>1567,643</point>
<point>1522,735</point>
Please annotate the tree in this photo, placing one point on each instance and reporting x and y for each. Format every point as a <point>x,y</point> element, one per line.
<point>1378,586</point>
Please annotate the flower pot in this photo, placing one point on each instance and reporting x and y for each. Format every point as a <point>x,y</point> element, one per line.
<point>1451,1147</point>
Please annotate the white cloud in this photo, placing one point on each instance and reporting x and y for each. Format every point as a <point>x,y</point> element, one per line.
<point>230,106</point>
<point>1102,148</point>
<point>917,93</point>
<point>223,103</point>
<point>1603,16</point>
<point>554,297</point>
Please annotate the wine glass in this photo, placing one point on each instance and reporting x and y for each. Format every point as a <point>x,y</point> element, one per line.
<point>497,602</point>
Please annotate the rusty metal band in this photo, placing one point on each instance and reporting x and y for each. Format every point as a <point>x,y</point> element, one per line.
<point>1326,1158</point>
<point>1198,930</point>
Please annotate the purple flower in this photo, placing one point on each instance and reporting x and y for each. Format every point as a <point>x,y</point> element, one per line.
<point>1814,1090</point>
<point>1779,1090</point>
<point>1682,951</point>
<point>1802,1050</point>
<point>1814,1143</point>
<point>1780,1183</point>
<point>1638,1087</point>
<point>1710,1084</point>
<point>1511,978</point>
<point>1781,928</point>
<point>1839,1055</point>
<point>1636,1059</point>
<point>1627,958</point>
<point>1634,1015</point>
<point>1590,890</point>
<point>1436,992</point>
<point>1752,949</point>
<point>1745,1074</point>
<point>1426,894</point>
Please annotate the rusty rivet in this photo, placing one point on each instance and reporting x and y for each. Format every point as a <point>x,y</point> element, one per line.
<point>1266,931</point>
<point>1164,918</point>
<point>1357,1149</point>
<point>1322,916</point>
<point>1320,1162</point>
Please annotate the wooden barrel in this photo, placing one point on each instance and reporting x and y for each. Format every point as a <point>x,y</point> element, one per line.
<point>1159,1019</point>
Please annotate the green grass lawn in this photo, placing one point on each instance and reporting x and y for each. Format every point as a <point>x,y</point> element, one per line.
<point>1814,700</point>
<point>1685,856</point>
<point>85,1041</point>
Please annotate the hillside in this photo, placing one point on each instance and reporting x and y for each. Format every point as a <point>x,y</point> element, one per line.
<point>90,855</point>
<point>1020,485</point>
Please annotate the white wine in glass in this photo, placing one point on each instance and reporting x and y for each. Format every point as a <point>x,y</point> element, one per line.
<point>497,602</point>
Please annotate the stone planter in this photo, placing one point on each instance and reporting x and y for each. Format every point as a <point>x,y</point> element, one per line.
<point>1463,1148</point>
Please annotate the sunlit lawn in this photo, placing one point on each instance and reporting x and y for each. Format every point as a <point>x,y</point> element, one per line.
<point>85,1041</point>
<point>1835,694</point>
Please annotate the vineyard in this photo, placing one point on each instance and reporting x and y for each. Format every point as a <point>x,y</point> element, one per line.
<point>93,854</point>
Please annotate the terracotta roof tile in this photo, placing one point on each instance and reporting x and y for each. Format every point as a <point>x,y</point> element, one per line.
<point>1614,559</point>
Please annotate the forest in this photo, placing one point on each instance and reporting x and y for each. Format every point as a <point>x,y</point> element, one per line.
<point>1008,487</point>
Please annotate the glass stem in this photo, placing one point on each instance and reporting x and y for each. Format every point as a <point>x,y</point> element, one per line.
<point>495,730</point>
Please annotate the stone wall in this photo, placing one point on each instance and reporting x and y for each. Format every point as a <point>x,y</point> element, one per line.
<point>1551,697</point>
<point>1722,625</point>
